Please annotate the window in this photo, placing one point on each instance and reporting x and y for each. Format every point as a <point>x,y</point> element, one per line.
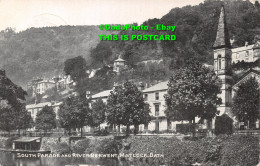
<point>223,64</point>
<point>237,55</point>
<point>157,96</point>
<point>169,124</point>
<point>145,97</point>
<point>157,109</point>
<point>219,61</point>
<point>247,53</point>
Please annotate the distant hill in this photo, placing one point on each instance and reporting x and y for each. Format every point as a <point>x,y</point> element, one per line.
<point>42,51</point>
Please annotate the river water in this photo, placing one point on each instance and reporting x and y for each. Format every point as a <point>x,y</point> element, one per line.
<point>11,159</point>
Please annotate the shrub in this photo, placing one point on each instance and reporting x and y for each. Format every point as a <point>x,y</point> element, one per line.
<point>109,146</point>
<point>185,128</point>
<point>240,150</point>
<point>223,125</point>
<point>102,132</point>
<point>3,142</point>
<point>223,150</point>
<point>80,146</point>
<point>61,148</point>
<point>9,142</point>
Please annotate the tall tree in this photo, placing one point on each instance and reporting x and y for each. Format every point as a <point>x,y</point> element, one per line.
<point>192,92</point>
<point>77,69</point>
<point>72,113</point>
<point>23,119</point>
<point>45,119</point>
<point>101,53</point>
<point>96,115</point>
<point>126,106</point>
<point>12,103</point>
<point>246,102</point>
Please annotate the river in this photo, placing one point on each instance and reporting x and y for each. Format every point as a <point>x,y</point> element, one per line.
<point>11,159</point>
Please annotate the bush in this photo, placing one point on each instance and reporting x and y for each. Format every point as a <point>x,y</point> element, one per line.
<point>9,142</point>
<point>223,150</point>
<point>61,148</point>
<point>102,132</point>
<point>3,142</point>
<point>185,128</point>
<point>240,150</point>
<point>81,146</point>
<point>109,146</point>
<point>223,125</point>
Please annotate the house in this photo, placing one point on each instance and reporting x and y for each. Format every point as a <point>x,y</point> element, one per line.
<point>247,75</point>
<point>34,108</point>
<point>154,96</point>
<point>247,53</point>
<point>119,64</point>
<point>42,86</point>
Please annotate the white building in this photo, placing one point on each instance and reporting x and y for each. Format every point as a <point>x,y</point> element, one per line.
<point>119,64</point>
<point>34,108</point>
<point>42,86</point>
<point>247,53</point>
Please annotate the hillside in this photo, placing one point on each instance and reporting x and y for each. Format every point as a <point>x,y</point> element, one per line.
<point>42,51</point>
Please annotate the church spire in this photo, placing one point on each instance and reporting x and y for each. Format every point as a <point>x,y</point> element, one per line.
<point>222,39</point>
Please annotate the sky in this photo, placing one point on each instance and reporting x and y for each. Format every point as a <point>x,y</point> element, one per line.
<point>23,14</point>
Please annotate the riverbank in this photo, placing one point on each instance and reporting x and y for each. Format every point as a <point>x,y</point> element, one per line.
<point>137,150</point>
<point>221,150</point>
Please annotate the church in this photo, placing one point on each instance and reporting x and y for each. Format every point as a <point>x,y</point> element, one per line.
<point>224,55</point>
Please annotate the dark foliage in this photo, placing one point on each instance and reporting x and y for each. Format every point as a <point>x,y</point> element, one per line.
<point>223,125</point>
<point>45,119</point>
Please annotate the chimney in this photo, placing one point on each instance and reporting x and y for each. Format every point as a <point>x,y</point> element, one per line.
<point>246,44</point>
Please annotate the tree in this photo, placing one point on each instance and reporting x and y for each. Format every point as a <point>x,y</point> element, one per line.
<point>77,69</point>
<point>192,92</point>
<point>12,103</point>
<point>126,106</point>
<point>45,119</point>
<point>101,53</point>
<point>72,113</point>
<point>53,94</point>
<point>96,115</point>
<point>23,120</point>
<point>246,102</point>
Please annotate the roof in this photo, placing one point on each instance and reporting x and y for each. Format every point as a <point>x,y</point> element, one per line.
<point>256,45</point>
<point>119,60</point>
<point>46,81</point>
<point>222,39</point>
<point>157,87</point>
<point>245,75</point>
<point>27,139</point>
<point>41,105</point>
<point>244,48</point>
<point>102,94</point>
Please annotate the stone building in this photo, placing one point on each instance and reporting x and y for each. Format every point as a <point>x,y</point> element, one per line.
<point>222,63</point>
<point>223,56</point>
<point>119,64</point>
<point>33,109</point>
<point>247,53</point>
